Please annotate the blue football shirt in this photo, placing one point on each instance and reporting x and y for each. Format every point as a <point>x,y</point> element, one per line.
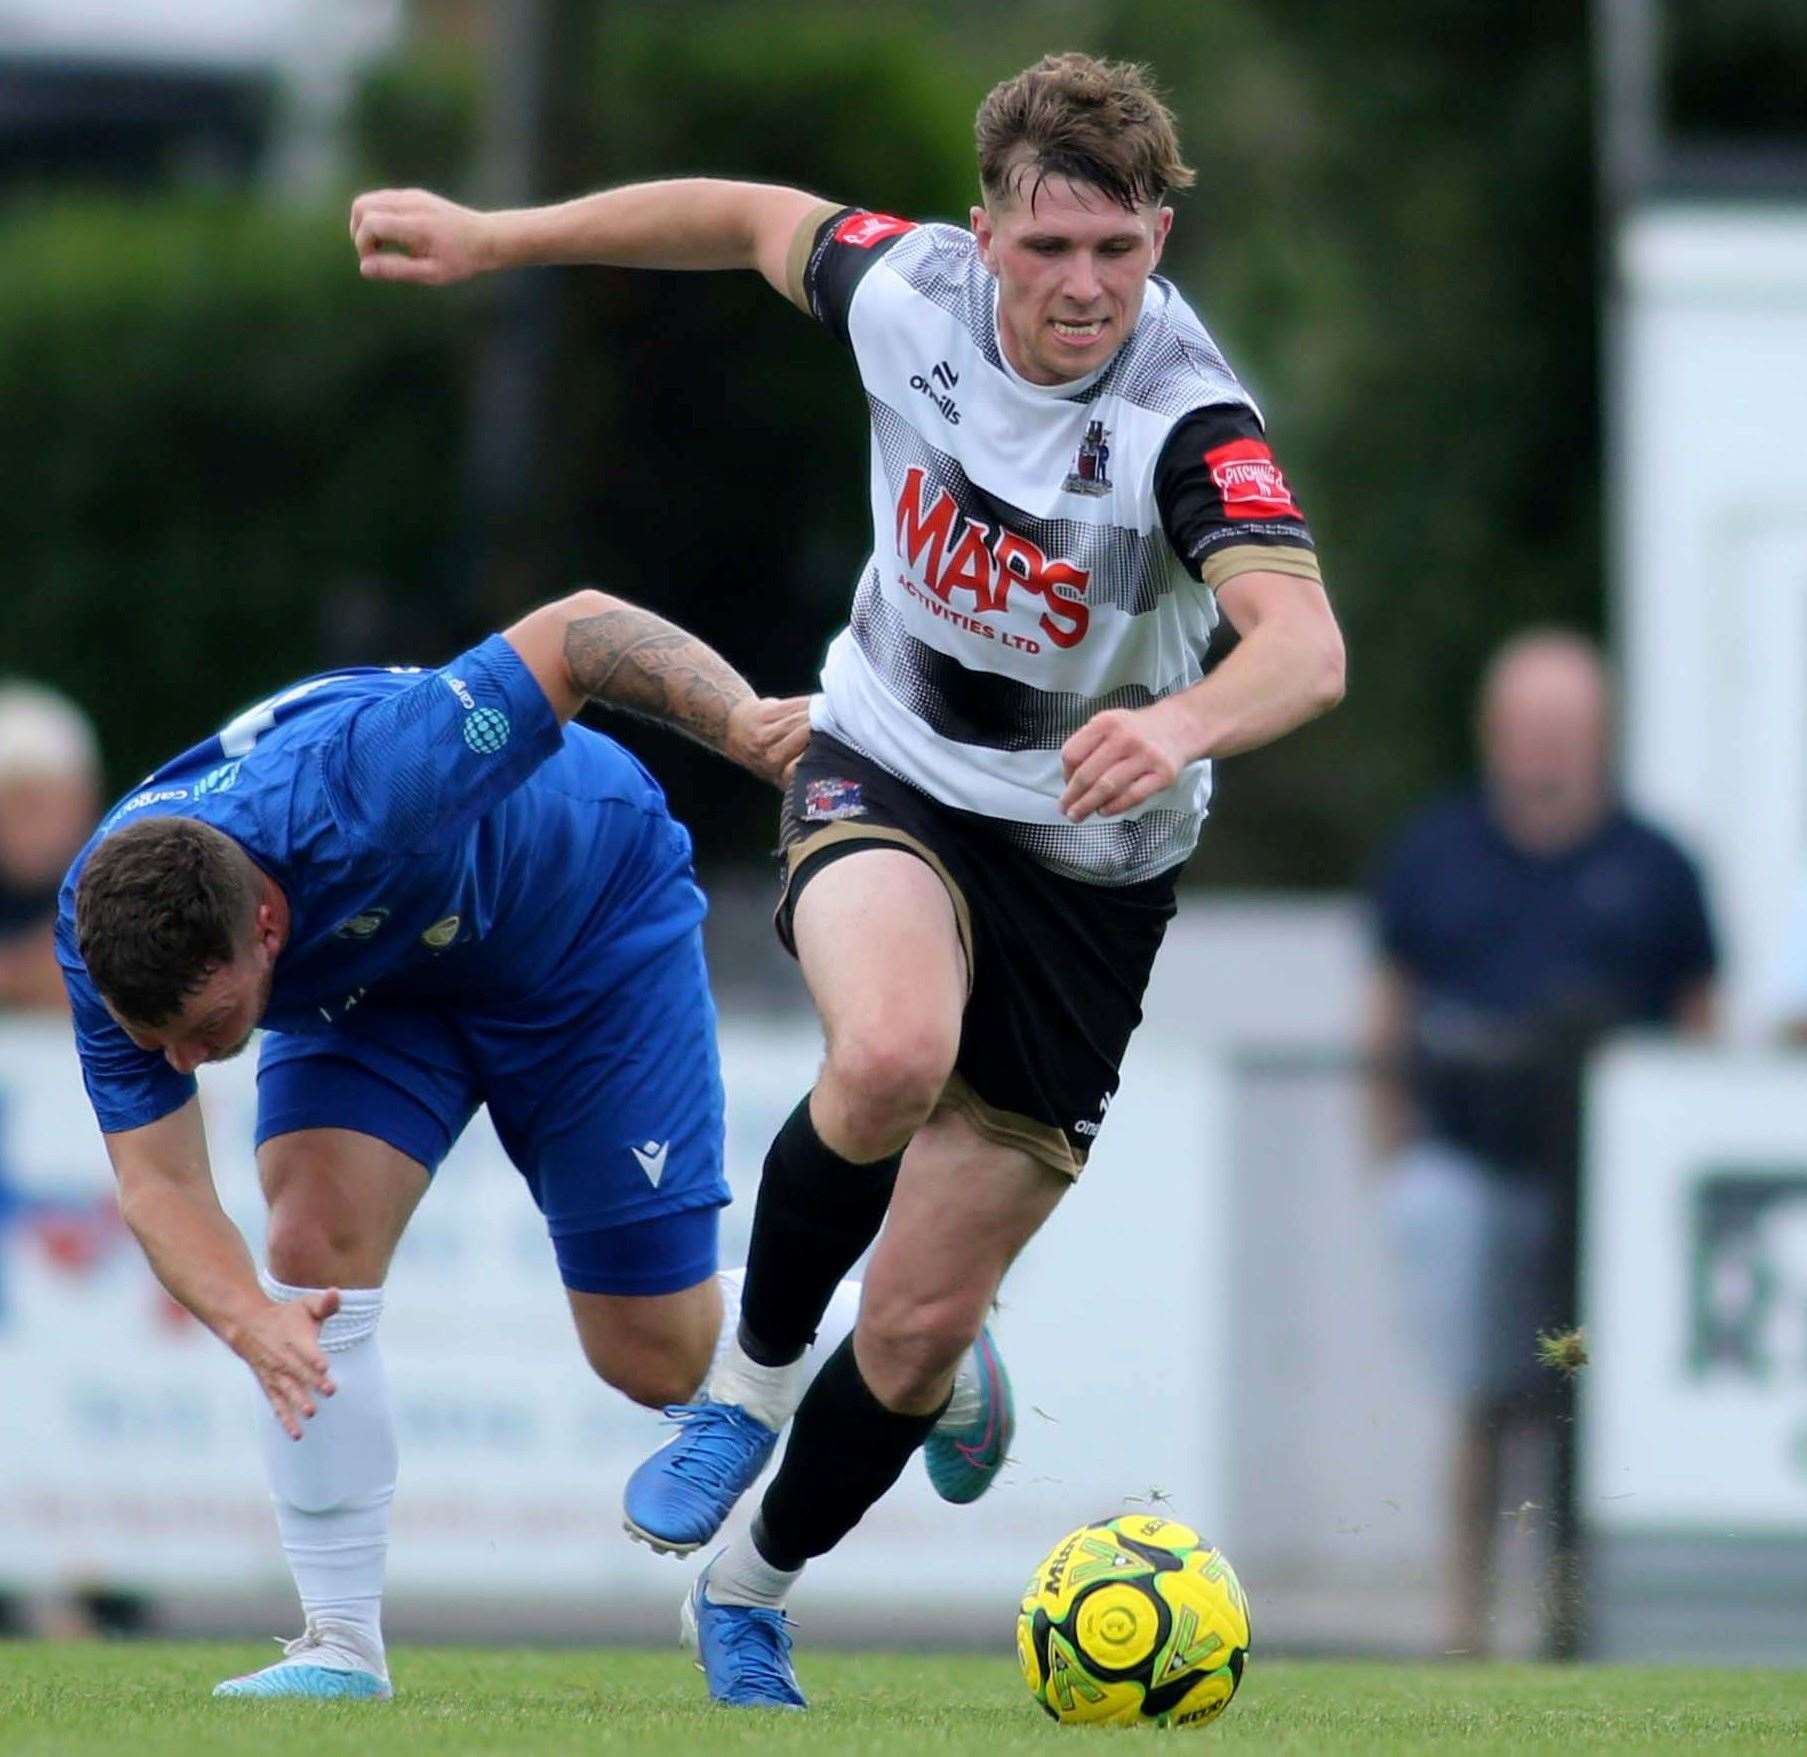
<point>440,838</point>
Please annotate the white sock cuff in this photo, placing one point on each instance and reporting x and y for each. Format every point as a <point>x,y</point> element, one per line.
<point>741,1575</point>
<point>356,1318</point>
<point>768,1394</point>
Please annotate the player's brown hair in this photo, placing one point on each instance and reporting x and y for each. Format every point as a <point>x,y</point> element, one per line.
<point>1091,121</point>
<point>160,905</point>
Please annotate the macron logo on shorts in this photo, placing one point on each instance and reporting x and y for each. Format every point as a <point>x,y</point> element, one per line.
<point>651,1159</point>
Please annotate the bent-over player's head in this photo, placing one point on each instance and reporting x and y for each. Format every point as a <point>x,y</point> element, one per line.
<point>180,929</point>
<point>1076,158</point>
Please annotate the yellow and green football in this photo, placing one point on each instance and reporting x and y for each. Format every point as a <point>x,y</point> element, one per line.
<point>1133,1621</point>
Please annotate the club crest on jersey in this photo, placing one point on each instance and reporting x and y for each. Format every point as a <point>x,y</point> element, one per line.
<point>1249,481</point>
<point>950,553</point>
<point>826,801</point>
<point>1091,469</point>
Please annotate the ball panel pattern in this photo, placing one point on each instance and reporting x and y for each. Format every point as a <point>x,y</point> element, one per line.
<point>1133,1619</point>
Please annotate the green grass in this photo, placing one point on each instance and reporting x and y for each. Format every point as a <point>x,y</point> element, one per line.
<point>151,1698</point>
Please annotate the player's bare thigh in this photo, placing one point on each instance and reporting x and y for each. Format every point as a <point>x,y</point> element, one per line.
<point>964,1207</point>
<point>339,1202</point>
<point>879,946</point>
<point>654,1348</point>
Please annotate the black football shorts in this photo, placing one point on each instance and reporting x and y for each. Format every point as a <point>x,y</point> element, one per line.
<point>1057,967</point>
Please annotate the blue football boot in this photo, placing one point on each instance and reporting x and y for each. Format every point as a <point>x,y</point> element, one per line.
<point>327,1661</point>
<point>967,1449</point>
<point>743,1650</point>
<point>679,1497</point>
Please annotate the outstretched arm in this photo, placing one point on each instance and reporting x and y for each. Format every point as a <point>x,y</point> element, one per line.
<point>167,1198</point>
<point>591,647</point>
<point>688,223</point>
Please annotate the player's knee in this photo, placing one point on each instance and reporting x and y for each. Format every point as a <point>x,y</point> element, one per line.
<point>313,1250</point>
<point>907,1347</point>
<point>651,1378</point>
<point>888,1081</point>
<point>652,1384</point>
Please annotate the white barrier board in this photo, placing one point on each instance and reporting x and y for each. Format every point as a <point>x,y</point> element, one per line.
<point>1695,1293</point>
<point>127,1451</point>
<point>1708,498</point>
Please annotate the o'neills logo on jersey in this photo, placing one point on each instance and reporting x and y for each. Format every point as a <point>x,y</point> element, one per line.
<point>951,553</point>
<point>1249,481</point>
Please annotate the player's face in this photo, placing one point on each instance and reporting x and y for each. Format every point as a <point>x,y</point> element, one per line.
<point>218,1018</point>
<point>1071,268</point>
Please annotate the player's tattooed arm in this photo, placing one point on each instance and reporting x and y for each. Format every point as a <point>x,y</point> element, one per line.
<point>630,659</point>
<point>591,647</point>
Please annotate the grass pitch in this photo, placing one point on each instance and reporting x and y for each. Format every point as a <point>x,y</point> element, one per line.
<point>151,1698</point>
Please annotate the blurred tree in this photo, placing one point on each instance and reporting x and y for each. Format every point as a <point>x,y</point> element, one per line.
<point>210,439</point>
<point>1393,237</point>
<point>708,442</point>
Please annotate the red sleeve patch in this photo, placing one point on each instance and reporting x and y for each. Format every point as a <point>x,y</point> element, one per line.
<point>1249,481</point>
<point>862,231</point>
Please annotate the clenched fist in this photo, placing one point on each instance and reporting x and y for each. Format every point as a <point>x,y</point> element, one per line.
<point>1119,758</point>
<point>414,235</point>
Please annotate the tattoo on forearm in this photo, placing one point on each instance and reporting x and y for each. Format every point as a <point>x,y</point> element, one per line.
<point>630,659</point>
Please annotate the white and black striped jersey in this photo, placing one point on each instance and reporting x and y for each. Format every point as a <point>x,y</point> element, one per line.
<point>1040,553</point>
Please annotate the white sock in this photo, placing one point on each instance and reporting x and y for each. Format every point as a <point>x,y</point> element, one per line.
<point>333,1486</point>
<point>733,1378</point>
<point>741,1575</point>
<point>771,1394</point>
<point>768,1394</point>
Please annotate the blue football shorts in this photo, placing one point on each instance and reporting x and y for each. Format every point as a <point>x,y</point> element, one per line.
<point>613,1114</point>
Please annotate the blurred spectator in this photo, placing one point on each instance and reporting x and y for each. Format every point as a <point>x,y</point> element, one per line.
<point>49,798</point>
<point>1519,922</point>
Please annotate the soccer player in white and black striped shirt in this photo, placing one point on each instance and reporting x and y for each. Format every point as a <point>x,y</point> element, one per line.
<point>1011,761</point>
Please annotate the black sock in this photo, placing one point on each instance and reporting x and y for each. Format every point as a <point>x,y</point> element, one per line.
<point>815,1214</point>
<point>846,1449</point>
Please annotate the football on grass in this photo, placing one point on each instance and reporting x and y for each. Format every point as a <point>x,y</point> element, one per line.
<point>1133,1620</point>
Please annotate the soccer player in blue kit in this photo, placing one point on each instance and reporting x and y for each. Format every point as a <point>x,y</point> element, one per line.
<point>432,893</point>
